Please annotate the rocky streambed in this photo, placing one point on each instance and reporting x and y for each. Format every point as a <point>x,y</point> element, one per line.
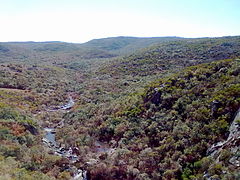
<point>49,140</point>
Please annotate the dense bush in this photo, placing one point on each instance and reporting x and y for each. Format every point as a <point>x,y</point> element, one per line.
<point>178,119</point>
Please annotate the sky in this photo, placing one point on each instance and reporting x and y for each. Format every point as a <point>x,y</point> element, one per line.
<point>82,20</point>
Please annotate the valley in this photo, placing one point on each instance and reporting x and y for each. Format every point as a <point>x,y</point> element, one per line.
<point>120,108</point>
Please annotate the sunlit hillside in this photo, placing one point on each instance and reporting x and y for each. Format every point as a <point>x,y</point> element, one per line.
<point>120,108</point>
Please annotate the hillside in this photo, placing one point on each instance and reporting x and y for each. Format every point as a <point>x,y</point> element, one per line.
<point>176,54</point>
<point>120,108</point>
<point>48,52</point>
<point>166,134</point>
<point>125,45</point>
<point>58,52</point>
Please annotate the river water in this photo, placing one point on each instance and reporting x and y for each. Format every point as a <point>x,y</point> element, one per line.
<point>50,140</point>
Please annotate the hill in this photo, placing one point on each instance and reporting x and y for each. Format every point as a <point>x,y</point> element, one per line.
<point>167,132</point>
<point>59,52</point>
<point>176,54</point>
<point>47,52</point>
<point>124,45</point>
<point>168,110</point>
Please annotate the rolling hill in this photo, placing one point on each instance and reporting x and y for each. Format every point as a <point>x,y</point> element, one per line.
<point>142,108</point>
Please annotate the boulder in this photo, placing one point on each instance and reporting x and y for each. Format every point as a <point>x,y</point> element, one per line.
<point>31,129</point>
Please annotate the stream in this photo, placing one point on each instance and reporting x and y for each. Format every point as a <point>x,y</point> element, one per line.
<point>50,141</point>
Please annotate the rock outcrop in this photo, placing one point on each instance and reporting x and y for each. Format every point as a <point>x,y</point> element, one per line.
<point>232,142</point>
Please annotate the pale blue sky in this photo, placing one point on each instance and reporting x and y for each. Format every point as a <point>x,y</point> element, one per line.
<point>83,20</point>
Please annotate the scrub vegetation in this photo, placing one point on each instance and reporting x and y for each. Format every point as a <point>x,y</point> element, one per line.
<point>145,108</point>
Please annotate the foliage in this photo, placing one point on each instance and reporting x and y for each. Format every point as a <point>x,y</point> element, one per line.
<point>178,118</point>
<point>148,115</point>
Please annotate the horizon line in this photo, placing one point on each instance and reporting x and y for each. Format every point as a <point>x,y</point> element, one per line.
<point>59,41</point>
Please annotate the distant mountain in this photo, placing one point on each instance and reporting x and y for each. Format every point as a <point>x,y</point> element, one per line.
<point>124,45</point>
<point>62,51</point>
<point>48,52</point>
